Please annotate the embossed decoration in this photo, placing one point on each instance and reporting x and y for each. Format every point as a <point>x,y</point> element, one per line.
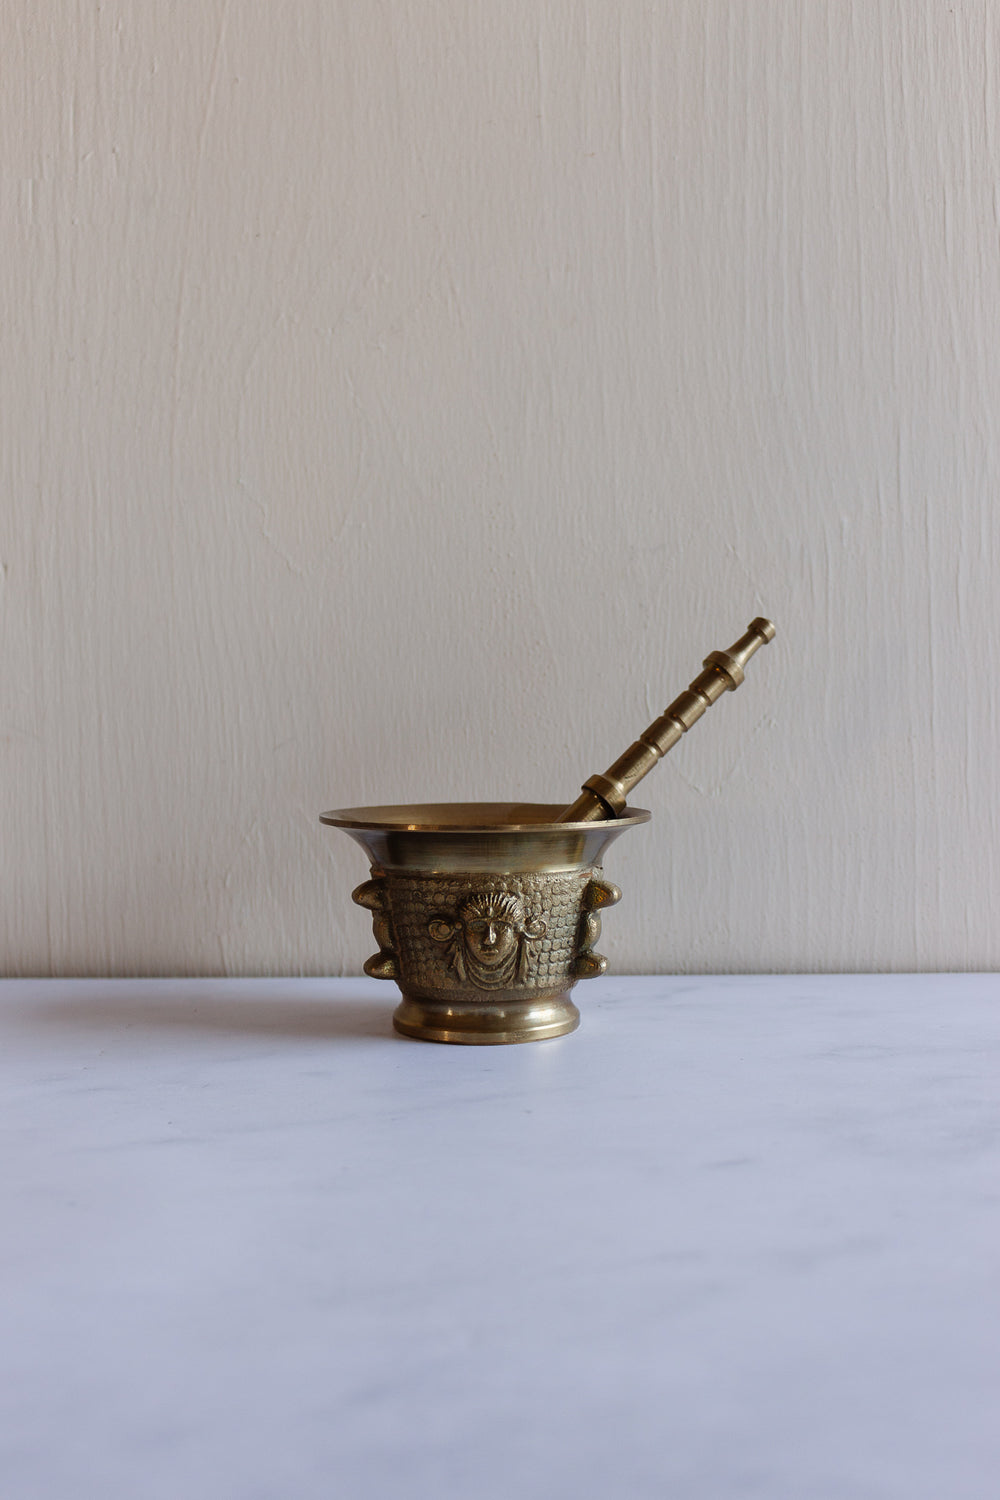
<point>487,939</point>
<point>441,929</point>
<point>494,939</point>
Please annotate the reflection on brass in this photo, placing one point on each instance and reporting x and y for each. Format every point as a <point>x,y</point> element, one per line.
<point>605,797</point>
<point>485,914</point>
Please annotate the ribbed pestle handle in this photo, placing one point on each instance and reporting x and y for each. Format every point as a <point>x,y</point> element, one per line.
<point>605,796</point>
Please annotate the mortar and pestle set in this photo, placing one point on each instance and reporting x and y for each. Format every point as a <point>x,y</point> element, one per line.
<point>486,913</point>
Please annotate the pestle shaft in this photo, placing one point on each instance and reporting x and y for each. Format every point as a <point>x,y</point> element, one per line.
<point>605,796</point>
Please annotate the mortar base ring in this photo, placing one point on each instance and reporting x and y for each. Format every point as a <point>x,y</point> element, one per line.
<point>484,1023</point>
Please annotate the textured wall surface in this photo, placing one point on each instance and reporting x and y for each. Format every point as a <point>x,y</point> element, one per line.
<point>399,400</point>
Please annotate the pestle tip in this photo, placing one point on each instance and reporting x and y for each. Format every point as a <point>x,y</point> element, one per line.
<point>763,627</point>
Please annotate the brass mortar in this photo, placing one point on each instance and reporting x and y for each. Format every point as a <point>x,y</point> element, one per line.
<point>485,913</point>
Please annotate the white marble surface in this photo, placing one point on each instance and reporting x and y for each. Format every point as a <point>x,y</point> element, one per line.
<point>736,1237</point>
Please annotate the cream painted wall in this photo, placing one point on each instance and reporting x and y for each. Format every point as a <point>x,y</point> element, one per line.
<point>398,402</point>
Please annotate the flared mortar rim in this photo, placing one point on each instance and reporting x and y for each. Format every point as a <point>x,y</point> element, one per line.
<point>472,817</point>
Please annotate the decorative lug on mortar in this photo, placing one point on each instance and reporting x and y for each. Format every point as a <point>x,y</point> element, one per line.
<point>372,896</point>
<point>598,894</point>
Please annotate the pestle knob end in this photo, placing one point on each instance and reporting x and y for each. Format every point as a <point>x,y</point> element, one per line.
<point>763,627</point>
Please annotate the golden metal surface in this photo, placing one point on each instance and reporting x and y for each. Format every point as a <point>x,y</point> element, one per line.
<point>604,797</point>
<point>482,1023</point>
<point>485,913</point>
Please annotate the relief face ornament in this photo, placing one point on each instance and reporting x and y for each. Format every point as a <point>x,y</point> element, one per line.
<point>485,914</point>
<point>486,939</point>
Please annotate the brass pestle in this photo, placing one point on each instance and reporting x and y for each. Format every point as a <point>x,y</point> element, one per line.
<point>604,797</point>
